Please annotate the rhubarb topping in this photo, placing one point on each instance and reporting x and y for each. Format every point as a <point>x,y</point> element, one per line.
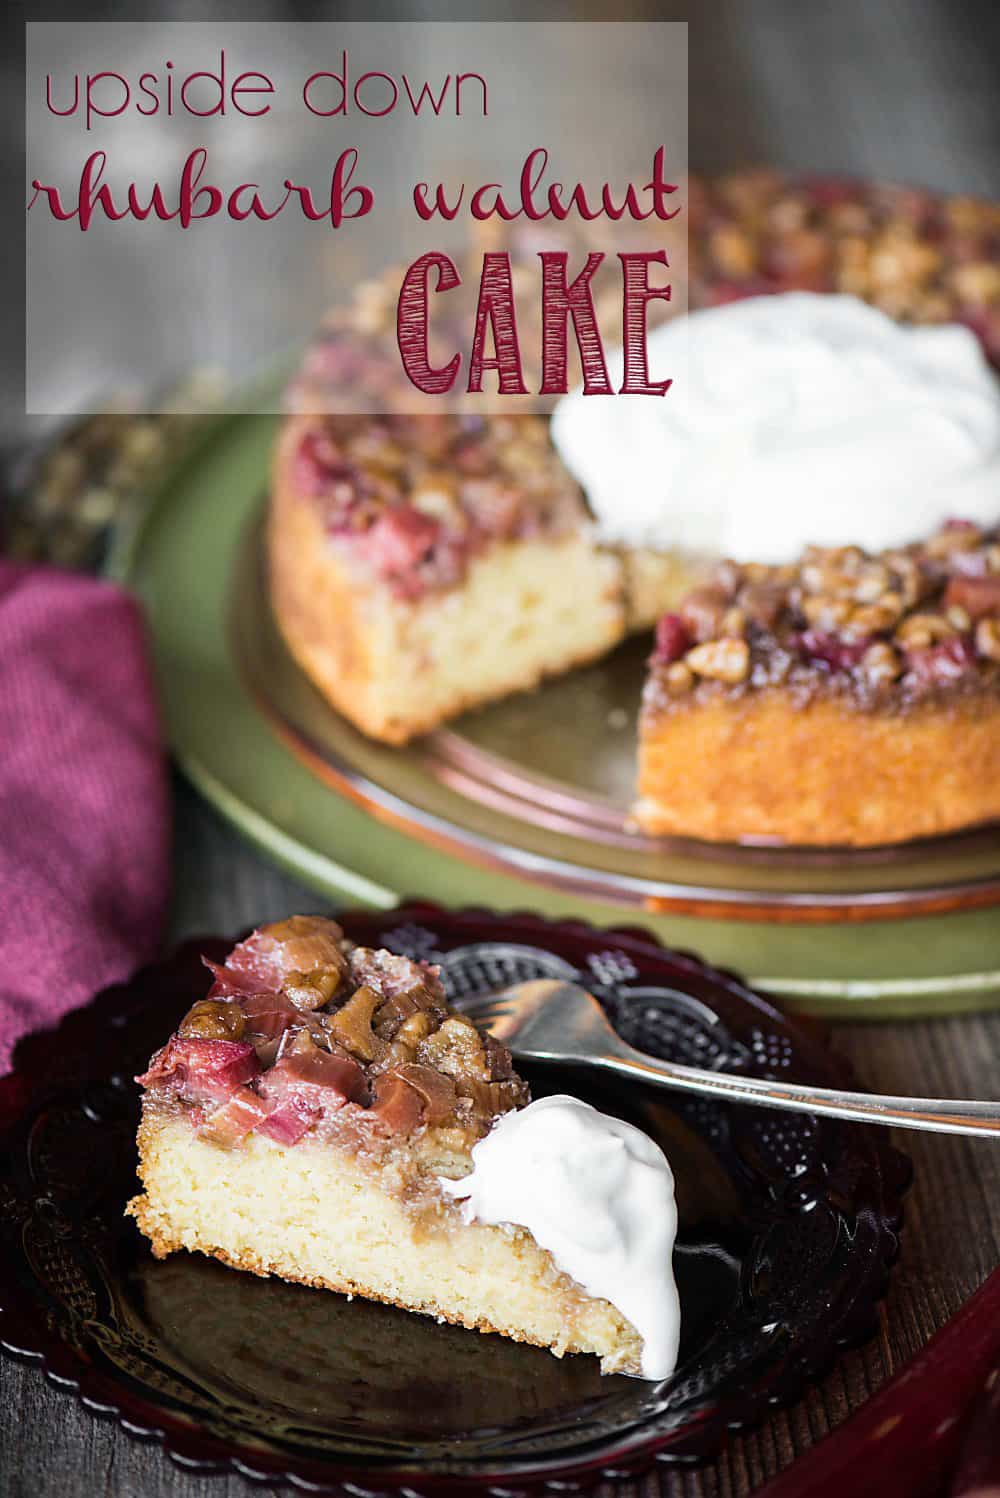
<point>887,630</point>
<point>418,498</point>
<point>202,1068</point>
<point>233,1121</point>
<point>300,1026</point>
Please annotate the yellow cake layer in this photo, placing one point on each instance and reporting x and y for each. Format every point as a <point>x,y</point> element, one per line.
<point>317,1214</point>
<point>824,773</point>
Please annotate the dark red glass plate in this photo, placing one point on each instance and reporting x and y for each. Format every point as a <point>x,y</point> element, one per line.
<point>788,1230</point>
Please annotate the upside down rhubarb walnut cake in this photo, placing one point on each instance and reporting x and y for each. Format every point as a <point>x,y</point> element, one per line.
<point>324,1116</point>
<point>848,698</point>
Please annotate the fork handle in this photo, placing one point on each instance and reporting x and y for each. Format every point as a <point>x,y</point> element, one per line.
<point>935,1115</point>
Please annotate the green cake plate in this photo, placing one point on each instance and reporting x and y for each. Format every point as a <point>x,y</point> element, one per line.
<point>522,805</point>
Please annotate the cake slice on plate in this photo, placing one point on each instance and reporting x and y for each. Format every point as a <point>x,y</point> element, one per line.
<point>318,1117</point>
<point>848,699</point>
<point>421,565</point>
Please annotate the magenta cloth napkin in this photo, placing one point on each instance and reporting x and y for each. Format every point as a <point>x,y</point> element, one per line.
<point>84,817</point>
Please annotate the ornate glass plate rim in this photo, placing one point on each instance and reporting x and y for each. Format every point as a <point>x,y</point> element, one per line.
<point>58,1253</point>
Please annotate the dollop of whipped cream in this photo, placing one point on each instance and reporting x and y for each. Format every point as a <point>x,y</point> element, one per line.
<point>599,1195</point>
<point>793,419</point>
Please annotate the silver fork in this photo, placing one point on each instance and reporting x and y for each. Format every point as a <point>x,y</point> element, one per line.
<point>548,1019</point>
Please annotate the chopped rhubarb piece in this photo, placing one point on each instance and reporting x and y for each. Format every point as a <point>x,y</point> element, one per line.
<point>290,1119</point>
<point>672,639</point>
<point>323,1078</point>
<point>397,1105</point>
<point>202,1068</point>
<point>229,984</point>
<point>985,323</point>
<point>978,596</point>
<point>400,538</point>
<point>274,953</point>
<point>833,651</point>
<point>319,462</point>
<point>827,192</point>
<point>231,1123</point>
<point>937,665</point>
<point>269,1014</point>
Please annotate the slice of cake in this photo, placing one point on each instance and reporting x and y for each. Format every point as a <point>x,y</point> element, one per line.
<point>315,1117</point>
<point>846,699</point>
<point>421,565</point>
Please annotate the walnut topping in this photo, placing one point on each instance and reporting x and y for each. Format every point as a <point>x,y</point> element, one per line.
<point>873,618</point>
<point>364,1030</point>
<point>213,1019</point>
<point>458,1049</point>
<point>872,583</point>
<point>920,630</point>
<point>414,1029</point>
<point>988,639</point>
<point>703,611</point>
<point>679,678</point>
<point>313,989</point>
<point>721,660</point>
<point>351,1025</point>
<point>889,628</point>
<point>826,611</point>
<point>881,663</point>
<point>917,256</point>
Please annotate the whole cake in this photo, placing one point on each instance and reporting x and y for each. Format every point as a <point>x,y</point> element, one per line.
<point>848,698</point>
<point>323,1116</point>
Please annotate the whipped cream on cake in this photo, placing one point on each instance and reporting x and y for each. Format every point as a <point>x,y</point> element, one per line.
<point>598,1194</point>
<point>793,419</point>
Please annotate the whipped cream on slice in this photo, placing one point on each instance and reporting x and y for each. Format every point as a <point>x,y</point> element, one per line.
<point>793,419</point>
<point>599,1195</point>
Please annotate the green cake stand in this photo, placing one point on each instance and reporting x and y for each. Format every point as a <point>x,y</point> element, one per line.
<point>522,805</point>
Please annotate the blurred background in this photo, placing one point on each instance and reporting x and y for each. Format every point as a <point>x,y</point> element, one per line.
<point>902,90</point>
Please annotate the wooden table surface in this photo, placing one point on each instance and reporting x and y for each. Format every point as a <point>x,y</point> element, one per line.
<point>893,88</point>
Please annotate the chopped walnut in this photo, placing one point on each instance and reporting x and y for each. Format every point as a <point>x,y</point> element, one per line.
<point>720,660</point>
<point>988,639</point>
<point>679,678</point>
<point>212,1019</point>
<point>917,256</point>
<point>920,630</point>
<point>881,663</point>
<point>351,1025</point>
